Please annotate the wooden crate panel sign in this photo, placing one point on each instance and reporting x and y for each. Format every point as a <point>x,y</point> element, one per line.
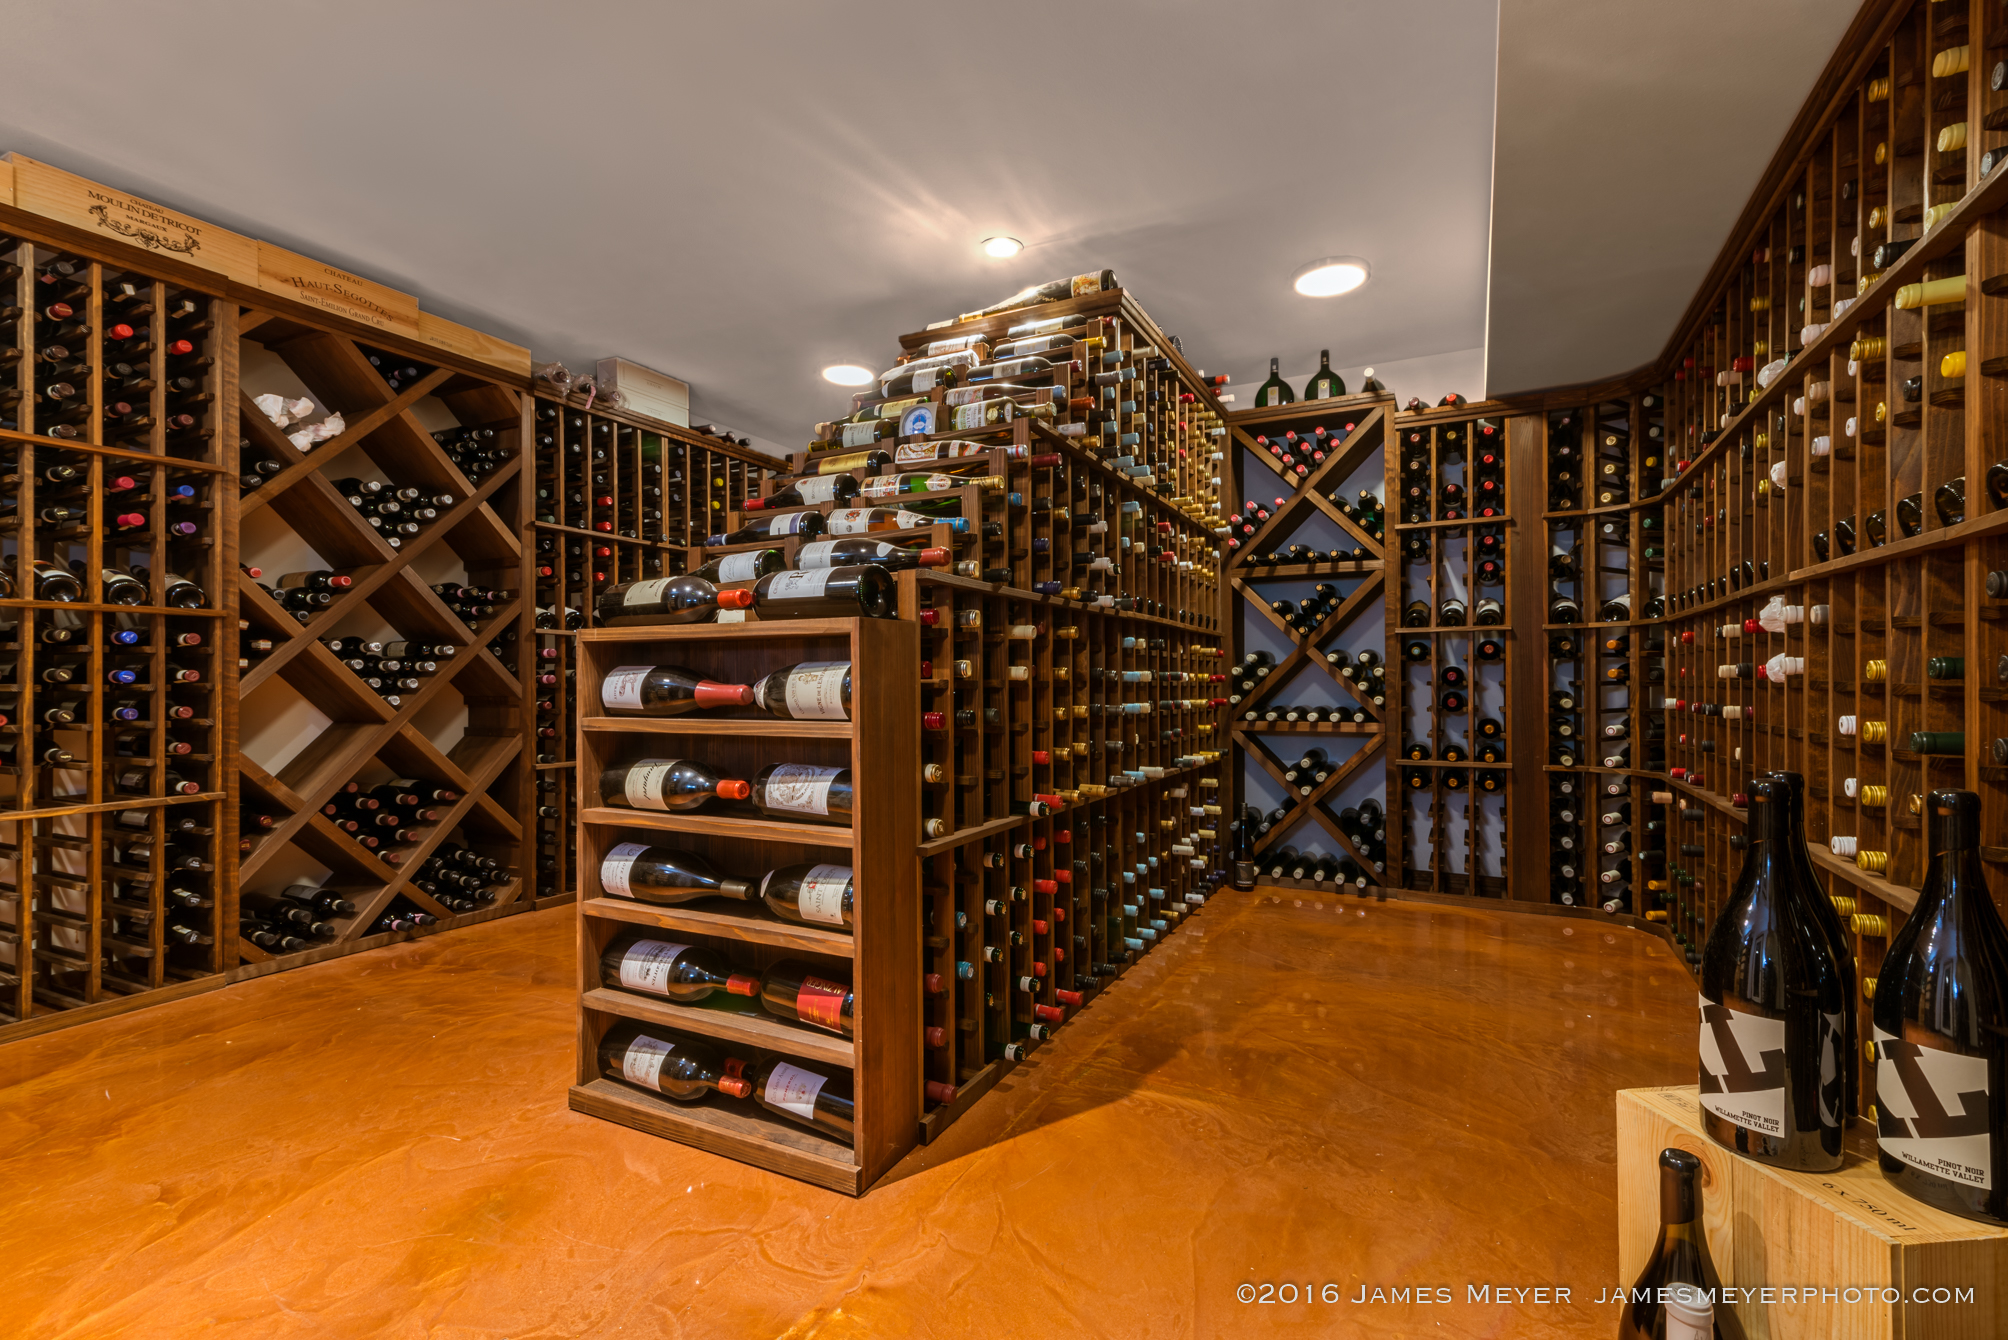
<point>335,291</point>
<point>120,216</point>
<point>1812,1256</point>
<point>485,349</point>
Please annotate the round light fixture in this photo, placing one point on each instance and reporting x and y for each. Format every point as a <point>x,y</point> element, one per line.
<point>1331,276</point>
<point>1001,247</point>
<point>847,374</point>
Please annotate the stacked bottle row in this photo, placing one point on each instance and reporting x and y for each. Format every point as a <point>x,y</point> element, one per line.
<point>383,594</point>
<point>619,499</point>
<point>111,518</point>
<point>1449,620</point>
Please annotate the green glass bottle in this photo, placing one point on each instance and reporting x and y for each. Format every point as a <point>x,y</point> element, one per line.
<point>1275,391</point>
<point>1324,383</point>
<point>1945,667</point>
<point>1938,742</point>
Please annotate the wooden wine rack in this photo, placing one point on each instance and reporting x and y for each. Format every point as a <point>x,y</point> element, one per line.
<point>92,921</point>
<point>1047,843</point>
<point>1442,828</point>
<point>577,546</point>
<point>880,959</point>
<point>1298,499</point>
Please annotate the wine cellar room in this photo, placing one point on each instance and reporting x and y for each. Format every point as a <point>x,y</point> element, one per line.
<point>652,686</point>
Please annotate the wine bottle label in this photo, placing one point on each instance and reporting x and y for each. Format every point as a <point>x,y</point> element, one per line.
<point>797,585</point>
<point>621,690</point>
<point>925,379</point>
<point>851,521</point>
<point>821,1003</point>
<point>647,964</point>
<point>793,1090</point>
<point>1743,1068</point>
<point>618,865</point>
<point>822,554</point>
<point>822,897</point>
<point>799,788</point>
<point>740,567</point>
<point>645,781</point>
<point>1082,285</point>
<point>821,489</point>
<point>815,691</point>
<point>642,1063</point>
<point>645,593</point>
<point>910,520</point>
<point>981,414</point>
<point>919,453</point>
<point>917,421</point>
<point>861,434</point>
<point>1931,1110</point>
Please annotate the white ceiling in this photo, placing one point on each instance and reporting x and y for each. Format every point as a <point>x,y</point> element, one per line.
<point>1630,136</point>
<point>742,193</point>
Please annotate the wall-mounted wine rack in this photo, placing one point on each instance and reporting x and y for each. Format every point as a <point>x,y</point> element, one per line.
<point>617,496</point>
<point>1314,461</point>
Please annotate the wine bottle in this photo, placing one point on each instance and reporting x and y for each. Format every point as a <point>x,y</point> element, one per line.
<point>848,553</point>
<point>1275,391</point>
<point>862,520</point>
<point>792,989</point>
<point>666,691</point>
<point>803,790</point>
<point>677,1068</point>
<point>685,974</point>
<point>1324,383</point>
<point>814,895</point>
<point>1941,1030</point>
<point>807,492</point>
<point>1057,290</point>
<point>1679,1265</point>
<point>814,1099</point>
<point>865,590</point>
<point>1772,1007</point>
<point>684,599</point>
<point>668,784</point>
<point>808,691</point>
<point>778,526</point>
<point>747,566</point>
<point>665,876</point>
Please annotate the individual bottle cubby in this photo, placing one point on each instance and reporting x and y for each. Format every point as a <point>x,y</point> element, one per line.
<point>847,1014</point>
<point>1307,550</point>
<point>1449,628</point>
<point>113,527</point>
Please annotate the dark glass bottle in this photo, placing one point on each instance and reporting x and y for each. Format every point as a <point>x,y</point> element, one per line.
<point>793,989</point>
<point>1773,1007</point>
<point>1941,1030</point>
<point>685,974</point>
<point>1324,383</point>
<point>661,1062</point>
<point>665,876</point>
<point>1679,1258</point>
<point>1275,391</point>
<point>666,691</point>
<point>1837,933</point>
<point>808,1096</point>
<point>864,591</point>
<point>670,784</point>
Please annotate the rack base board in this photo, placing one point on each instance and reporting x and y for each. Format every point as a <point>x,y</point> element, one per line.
<point>36,1025</point>
<point>741,1132</point>
<point>245,972</point>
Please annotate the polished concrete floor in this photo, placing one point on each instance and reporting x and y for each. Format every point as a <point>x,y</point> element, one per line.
<point>1293,1093</point>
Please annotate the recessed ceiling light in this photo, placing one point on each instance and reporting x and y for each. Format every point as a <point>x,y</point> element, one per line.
<point>1331,276</point>
<point>847,374</point>
<point>1000,247</point>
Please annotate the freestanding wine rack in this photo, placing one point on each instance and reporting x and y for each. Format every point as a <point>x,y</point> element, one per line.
<point>618,496</point>
<point>1297,464</point>
<point>879,959</point>
<point>1069,667</point>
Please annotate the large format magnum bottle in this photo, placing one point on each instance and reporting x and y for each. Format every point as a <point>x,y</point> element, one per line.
<point>685,974</point>
<point>792,989</point>
<point>1941,1030</point>
<point>664,876</point>
<point>675,1067</point>
<point>683,599</point>
<point>864,591</point>
<point>855,550</point>
<point>1772,1007</point>
<point>1275,391</point>
<point>1679,1259</point>
<point>666,691</point>
<point>807,1096</point>
<point>813,895</point>
<point>1324,383</point>
<point>798,791</point>
<point>807,691</point>
<point>669,784</point>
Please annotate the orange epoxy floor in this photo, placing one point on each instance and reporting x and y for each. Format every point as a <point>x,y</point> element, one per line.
<point>1292,1091</point>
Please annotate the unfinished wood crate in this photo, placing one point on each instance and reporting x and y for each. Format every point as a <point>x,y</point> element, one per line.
<point>1849,1231</point>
